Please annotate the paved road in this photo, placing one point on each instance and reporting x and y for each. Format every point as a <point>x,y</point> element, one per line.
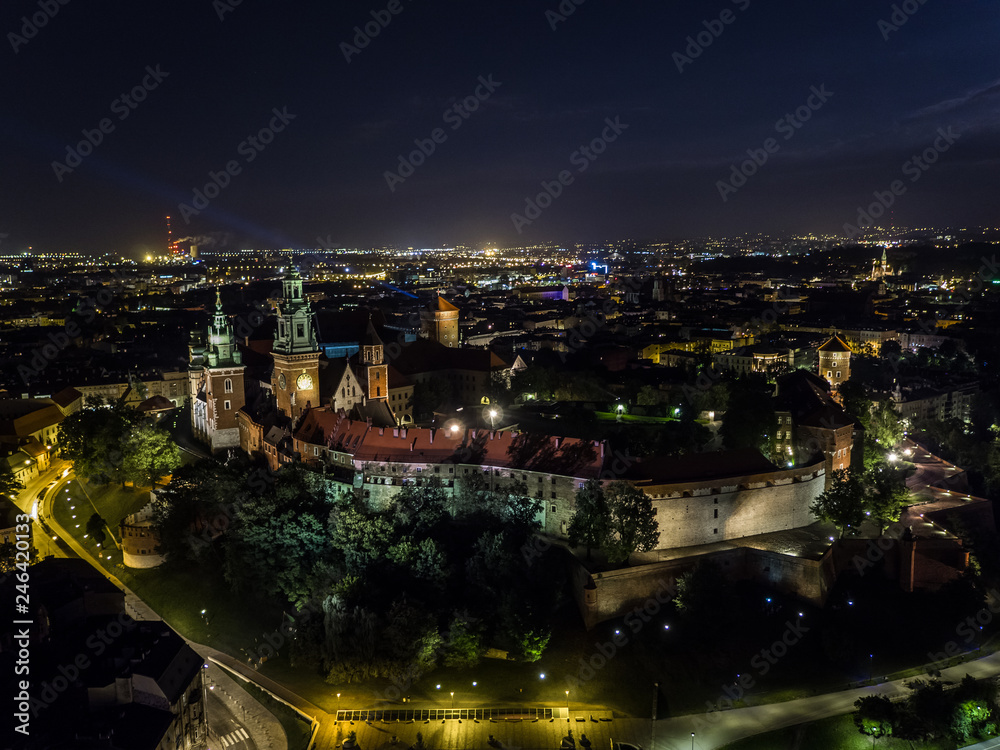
<point>716,730</point>
<point>34,496</point>
<point>225,729</point>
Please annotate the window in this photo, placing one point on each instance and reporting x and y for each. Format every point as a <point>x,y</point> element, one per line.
<point>229,385</point>
<point>829,373</point>
<point>553,509</point>
<point>227,406</point>
<point>715,531</point>
<point>716,512</point>
<point>553,496</point>
<point>315,450</point>
<point>838,374</point>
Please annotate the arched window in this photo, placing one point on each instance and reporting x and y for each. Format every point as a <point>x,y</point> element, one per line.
<point>229,385</point>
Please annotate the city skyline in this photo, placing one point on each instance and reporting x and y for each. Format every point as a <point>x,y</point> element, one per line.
<point>397,123</point>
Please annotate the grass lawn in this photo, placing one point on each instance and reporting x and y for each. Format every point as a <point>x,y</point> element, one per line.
<point>607,416</point>
<point>178,592</point>
<point>297,729</point>
<point>836,732</point>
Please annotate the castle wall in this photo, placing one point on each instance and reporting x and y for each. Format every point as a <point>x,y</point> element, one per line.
<point>612,594</point>
<point>693,514</point>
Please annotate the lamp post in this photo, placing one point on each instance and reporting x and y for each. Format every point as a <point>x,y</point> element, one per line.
<point>692,740</point>
<point>567,705</point>
<point>493,417</point>
<point>338,706</point>
<point>871,662</point>
<point>453,699</point>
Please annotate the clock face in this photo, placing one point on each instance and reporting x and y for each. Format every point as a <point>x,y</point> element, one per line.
<point>281,381</point>
<point>304,382</point>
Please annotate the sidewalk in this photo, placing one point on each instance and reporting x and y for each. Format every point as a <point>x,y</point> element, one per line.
<point>267,731</point>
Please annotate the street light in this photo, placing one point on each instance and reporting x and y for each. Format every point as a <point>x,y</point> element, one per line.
<point>692,740</point>
<point>453,699</point>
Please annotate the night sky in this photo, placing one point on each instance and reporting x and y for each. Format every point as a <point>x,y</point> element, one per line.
<point>324,174</point>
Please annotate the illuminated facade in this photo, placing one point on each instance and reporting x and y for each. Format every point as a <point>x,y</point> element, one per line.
<point>215,382</point>
<point>295,378</point>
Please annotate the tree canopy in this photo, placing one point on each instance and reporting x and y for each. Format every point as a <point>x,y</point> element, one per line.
<point>618,518</point>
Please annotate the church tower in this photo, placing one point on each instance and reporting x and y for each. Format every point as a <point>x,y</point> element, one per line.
<point>215,375</point>
<point>295,377</point>
<point>439,322</point>
<point>377,371</point>
<point>835,362</point>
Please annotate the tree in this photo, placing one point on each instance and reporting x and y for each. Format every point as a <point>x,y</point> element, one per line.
<point>592,517</point>
<point>148,453</point>
<point>9,558</point>
<point>93,440</point>
<point>424,560</point>
<point>362,539</point>
<point>875,716</point>
<point>648,396</point>
<point>886,493</point>
<point>279,537</point>
<point>884,424</point>
<point>418,509</point>
<point>95,528</point>
<point>541,382</point>
<point>430,395</point>
<point>843,504</point>
<point>9,486</point>
<point>464,645</point>
<point>632,525</point>
<point>855,400</point>
<point>195,507</point>
<point>750,421</point>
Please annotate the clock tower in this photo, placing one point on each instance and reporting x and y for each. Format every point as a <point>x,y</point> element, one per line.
<point>295,378</point>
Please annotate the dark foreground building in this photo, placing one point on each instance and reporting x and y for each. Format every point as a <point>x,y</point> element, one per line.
<point>98,678</point>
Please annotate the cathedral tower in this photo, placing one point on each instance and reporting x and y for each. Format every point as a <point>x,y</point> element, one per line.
<point>215,375</point>
<point>295,377</point>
